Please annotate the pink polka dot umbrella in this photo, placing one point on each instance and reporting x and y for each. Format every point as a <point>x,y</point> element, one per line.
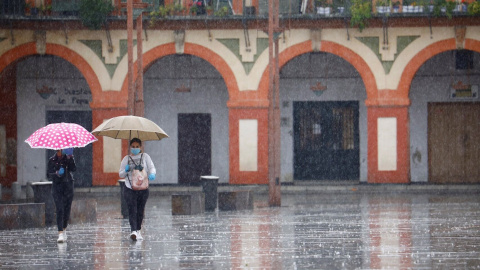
<point>60,136</point>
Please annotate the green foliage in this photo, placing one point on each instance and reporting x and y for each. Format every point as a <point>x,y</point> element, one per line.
<point>193,9</point>
<point>222,12</point>
<point>474,8</point>
<point>449,7</point>
<point>361,11</point>
<point>382,3</point>
<point>93,13</point>
<point>323,3</point>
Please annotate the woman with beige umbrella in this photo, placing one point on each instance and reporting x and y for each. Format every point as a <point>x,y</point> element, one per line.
<point>137,167</point>
<point>136,196</point>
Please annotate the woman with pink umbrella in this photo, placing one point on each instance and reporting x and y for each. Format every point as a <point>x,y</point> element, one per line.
<point>61,137</point>
<point>59,171</point>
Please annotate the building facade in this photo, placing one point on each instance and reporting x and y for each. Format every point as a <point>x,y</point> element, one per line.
<point>394,103</point>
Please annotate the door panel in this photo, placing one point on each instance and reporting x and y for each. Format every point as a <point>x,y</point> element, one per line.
<point>83,156</point>
<point>326,141</point>
<point>194,147</point>
<point>471,140</point>
<point>453,142</point>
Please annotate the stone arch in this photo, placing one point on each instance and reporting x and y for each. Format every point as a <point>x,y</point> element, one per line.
<point>67,54</point>
<point>331,47</point>
<point>192,49</point>
<point>425,54</point>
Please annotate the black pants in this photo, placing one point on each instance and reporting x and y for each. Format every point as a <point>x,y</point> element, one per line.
<point>62,193</point>
<point>136,201</point>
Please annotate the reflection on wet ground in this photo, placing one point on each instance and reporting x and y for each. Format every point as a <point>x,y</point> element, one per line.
<point>347,231</point>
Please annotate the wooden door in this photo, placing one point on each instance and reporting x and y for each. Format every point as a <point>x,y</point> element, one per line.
<point>194,147</point>
<point>453,142</point>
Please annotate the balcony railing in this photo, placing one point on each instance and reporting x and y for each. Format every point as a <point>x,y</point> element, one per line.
<point>183,9</point>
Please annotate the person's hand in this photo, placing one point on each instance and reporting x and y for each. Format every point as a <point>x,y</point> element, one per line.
<point>61,171</point>
<point>151,177</point>
<point>127,168</point>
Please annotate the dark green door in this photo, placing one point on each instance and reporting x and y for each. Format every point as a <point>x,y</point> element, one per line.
<point>326,138</point>
<point>83,156</point>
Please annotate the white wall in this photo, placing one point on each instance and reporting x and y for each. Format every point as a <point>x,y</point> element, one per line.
<point>343,84</point>
<point>162,105</point>
<point>33,73</point>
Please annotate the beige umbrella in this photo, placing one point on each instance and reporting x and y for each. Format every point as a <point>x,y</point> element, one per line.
<point>128,127</point>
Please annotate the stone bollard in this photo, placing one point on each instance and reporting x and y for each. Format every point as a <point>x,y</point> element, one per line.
<point>123,205</point>
<point>210,187</point>
<point>29,191</point>
<point>42,193</point>
<point>16,191</point>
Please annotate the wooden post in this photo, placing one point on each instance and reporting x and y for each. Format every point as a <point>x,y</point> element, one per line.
<point>139,104</point>
<point>131,91</point>
<point>274,192</point>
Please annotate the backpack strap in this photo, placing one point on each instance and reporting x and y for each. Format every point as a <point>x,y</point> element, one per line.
<point>140,163</point>
<point>141,157</point>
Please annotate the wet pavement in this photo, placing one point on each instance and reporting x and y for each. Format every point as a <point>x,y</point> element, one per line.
<point>323,231</point>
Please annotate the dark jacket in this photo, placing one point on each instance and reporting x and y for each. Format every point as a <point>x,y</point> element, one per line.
<point>54,164</point>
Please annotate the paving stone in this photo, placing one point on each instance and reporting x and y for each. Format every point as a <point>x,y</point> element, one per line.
<point>188,204</point>
<point>318,231</point>
<point>235,200</point>
<point>22,216</point>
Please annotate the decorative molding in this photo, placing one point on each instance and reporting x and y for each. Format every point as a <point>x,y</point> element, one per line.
<point>318,88</point>
<point>183,89</point>
<point>233,44</point>
<point>460,32</point>
<point>40,37</point>
<point>45,91</point>
<point>316,37</point>
<point>374,44</point>
<point>97,47</point>
<point>179,36</point>
<point>460,90</point>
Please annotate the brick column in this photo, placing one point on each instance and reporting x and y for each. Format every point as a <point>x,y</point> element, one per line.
<point>388,144</point>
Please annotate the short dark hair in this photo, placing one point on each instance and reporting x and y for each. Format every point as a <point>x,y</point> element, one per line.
<point>136,140</point>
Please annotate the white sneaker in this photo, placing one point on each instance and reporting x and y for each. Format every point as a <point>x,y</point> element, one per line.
<point>133,236</point>
<point>61,238</point>
<point>65,235</point>
<point>139,236</point>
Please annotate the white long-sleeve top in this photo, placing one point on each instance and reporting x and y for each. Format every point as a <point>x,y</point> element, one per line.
<point>146,163</point>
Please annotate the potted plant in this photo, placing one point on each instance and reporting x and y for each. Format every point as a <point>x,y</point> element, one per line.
<point>46,10</point>
<point>161,12</point>
<point>221,12</point>
<point>361,11</point>
<point>396,6</point>
<point>93,13</point>
<point>28,7</point>
<point>461,6</point>
<point>193,9</point>
<point>323,7</point>
<point>474,8</point>
<point>448,8</point>
<point>382,6</point>
<point>176,10</point>
<point>209,10</point>
<point>338,6</point>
